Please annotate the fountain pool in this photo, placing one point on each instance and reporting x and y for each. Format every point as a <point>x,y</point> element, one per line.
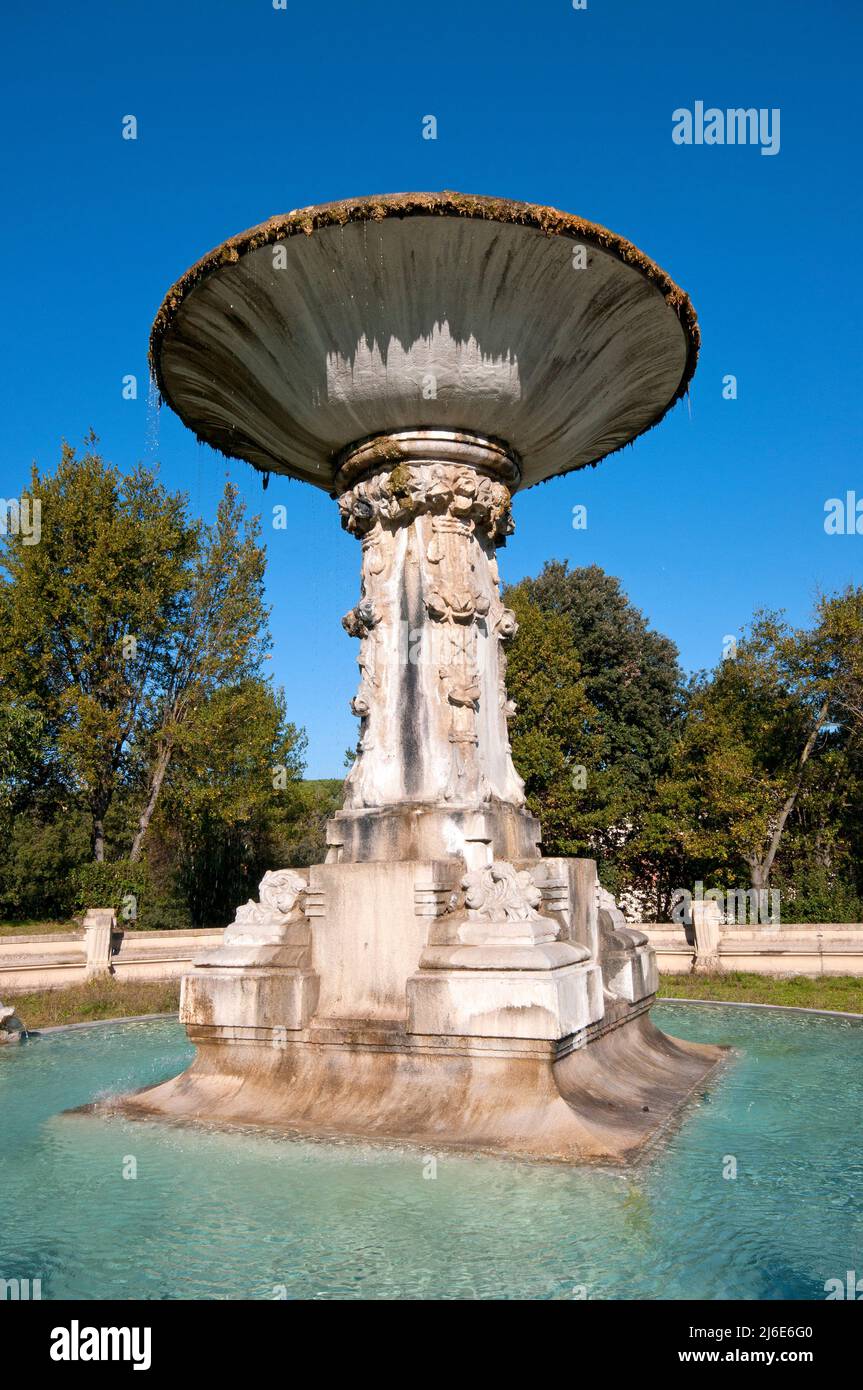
<point>216,1213</point>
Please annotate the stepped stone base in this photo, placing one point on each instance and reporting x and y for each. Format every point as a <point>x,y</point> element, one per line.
<point>602,1101</point>
<point>504,1008</point>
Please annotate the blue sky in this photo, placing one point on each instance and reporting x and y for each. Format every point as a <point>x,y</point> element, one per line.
<point>245,111</point>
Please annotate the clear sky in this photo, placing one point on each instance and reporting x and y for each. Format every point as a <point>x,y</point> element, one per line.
<point>245,111</point>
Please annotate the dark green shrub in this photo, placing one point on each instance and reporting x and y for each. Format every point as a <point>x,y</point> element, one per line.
<point>38,859</point>
<point>815,895</point>
<point>119,884</point>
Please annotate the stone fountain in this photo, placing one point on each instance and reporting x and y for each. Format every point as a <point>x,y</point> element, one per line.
<point>422,358</point>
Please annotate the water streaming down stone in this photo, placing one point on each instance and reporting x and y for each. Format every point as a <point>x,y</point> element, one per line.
<point>436,978</point>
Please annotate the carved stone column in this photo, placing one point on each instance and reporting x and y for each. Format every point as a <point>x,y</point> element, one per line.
<point>430,508</point>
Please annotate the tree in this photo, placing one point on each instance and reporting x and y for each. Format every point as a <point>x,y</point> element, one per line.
<point>303,841</point>
<point>22,749</point>
<point>765,776</point>
<point>836,657</point>
<point>122,632</point>
<point>231,795</point>
<point>631,673</point>
<point>556,744</point>
<point>630,682</point>
<point>752,727</point>
<point>84,613</point>
<point>219,638</point>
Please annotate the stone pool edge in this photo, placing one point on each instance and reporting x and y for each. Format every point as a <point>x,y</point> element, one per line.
<point>744,1004</point>
<point>669,999</point>
<point>97,1023</point>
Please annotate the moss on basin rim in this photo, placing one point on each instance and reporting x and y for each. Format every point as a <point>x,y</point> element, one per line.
<point>220,421</point>
<point>445,204</point>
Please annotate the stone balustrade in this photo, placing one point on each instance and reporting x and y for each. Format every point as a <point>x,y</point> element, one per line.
<point>57,959</point>
<point>817,948</point>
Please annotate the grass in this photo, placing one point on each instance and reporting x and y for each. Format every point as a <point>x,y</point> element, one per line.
<point>85,1003</point>
<point>842,992</point>
<point>34,928</point>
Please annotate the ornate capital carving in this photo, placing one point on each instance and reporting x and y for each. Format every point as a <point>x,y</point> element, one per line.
<point>469,450</point>
<point>392,496</point>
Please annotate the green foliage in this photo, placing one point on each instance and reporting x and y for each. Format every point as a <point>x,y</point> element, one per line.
<point>630,673</point>
<point>132,640</point>
<point>118,884</point>
<point>751,770</point>
<point>303,839</point>
<point>21,750</point>
<point>231,795</point>
<point>765,773</point>
<point>815,894</point>
<point>38,858</point>
<point>556,743</point>
<point>595,687</point>
<point>109,570</point>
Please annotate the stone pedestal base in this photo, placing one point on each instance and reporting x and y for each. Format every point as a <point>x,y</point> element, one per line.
<point>542,1004</point>
<point>600,1101</point>
<point>502,1008</point>
<point>473,837</point>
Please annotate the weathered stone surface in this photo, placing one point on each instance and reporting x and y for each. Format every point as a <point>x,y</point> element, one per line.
<point>260,976</point>
<point>628,962</point>
<point>601,1101</point>
<point>99,925</point>
<point>631,971</point>
<point>435,979</point>
<point>11,1028</point>
<point>707,930</point>
<point>432,628</point>
<point>497,831</point>
<point>520,322</point>
<point>569,894</point>
<point>273,930</point>
<point>513,1003</point>
<point>511,1043</point>
<point>249,997</point>
<point>370,925</point>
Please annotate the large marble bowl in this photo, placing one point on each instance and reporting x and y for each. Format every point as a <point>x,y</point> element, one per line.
<point>423,311</point>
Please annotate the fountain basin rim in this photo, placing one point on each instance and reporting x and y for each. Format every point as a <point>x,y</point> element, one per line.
<point>664,999</point>
<point>747,1004</point>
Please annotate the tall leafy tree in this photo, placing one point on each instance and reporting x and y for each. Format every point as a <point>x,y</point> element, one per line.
<point>753,729</point>
<point>84,614</point>
<point>231,796</point>
<point>631,685</point>
<point>630,672</point>
<point>219,637</point>
<point>120,627</point>
<point>556,741</point>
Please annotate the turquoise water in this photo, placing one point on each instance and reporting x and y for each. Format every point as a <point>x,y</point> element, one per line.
<point>242,1215</point>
